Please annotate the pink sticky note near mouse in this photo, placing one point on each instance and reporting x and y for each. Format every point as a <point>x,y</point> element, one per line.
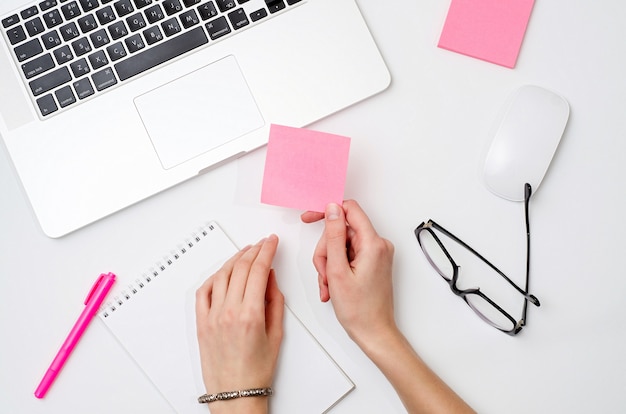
<point>491,30</point>
<point>304,169</point>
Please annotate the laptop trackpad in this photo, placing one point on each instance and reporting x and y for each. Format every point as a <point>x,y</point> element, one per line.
<point>198,112</point>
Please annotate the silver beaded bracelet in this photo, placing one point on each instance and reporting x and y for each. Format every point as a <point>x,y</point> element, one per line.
<point>229,395</point>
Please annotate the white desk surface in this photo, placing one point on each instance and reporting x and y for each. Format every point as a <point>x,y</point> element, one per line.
<point>416,154</point>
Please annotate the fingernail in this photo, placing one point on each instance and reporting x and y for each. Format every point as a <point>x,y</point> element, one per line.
<point>264,239</point>
<point>333,211</point>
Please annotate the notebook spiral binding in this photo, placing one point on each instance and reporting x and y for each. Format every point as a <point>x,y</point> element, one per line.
<point>159,268</point>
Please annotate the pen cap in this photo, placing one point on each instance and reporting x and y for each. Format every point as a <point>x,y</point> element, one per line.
<point>105,281</point>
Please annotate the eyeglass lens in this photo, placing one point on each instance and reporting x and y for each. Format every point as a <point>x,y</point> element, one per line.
<point>435,255</point>
<point>488,312</point>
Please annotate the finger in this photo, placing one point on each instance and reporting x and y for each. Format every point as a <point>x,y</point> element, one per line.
<point>311,216</point>
<point>319,262</point>
<point>319,256</point>
<point>222,279</point>
<point>335,239</point>
<point>240,274</point>
<point>358,221</point>
<point>203,308</point>
<point>323,286</point>
<point>274,309</point>
<point>260,271</point>
<point>203,300</point>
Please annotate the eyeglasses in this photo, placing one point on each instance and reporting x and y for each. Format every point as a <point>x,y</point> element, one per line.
<point>441,260</point>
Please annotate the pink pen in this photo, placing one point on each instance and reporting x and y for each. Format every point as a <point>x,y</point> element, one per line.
<point>94,299</point>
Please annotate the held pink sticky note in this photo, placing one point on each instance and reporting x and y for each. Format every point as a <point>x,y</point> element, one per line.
<point>491,30</point>
<point>304,169</point>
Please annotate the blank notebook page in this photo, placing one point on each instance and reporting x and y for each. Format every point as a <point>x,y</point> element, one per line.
<point>156,325</point>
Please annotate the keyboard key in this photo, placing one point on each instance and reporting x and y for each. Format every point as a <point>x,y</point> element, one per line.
<point>16,34</point>
<point>116,51</point>
<point>83,88</point>
<point>29,12</point>
<point>105,15</point>
<point>80,68</point>
<point>98,59</point>
<point>292,2</point>
<point>87,23</point>
<point>258,15</point>
<point>28,50</point>
<point>50,81</point>
<point>47,105</point>
<point>118,30</point>
<point>63,55</point>
<point>154,14</point>
<point>34,26</point>
<point>142,3</point>
<point>135,43</point>
<point>207,10</point>
<point>275,5</point>
<point>65,96</point>
<point>171,27</point>
<point>136,22</point>
<point>160,53</point>
<point>225,5</point>
<point>88,5</point>
<point>45,5</point>
<point>172,7</point>
<point>189,18</point>
<point>52,18</point>
<point>218,28</point>
<point>10,21</point>
<point>70,10</point>
<point>123,7</point>
<point>189,3</point>
<point>51,39</point>
<point>81,46</point>
<point>69,31</point>
<point>104,79</point>
<point>153,35</point>
<point>99,38</point>
<point>39,65</point>
<point>238,19</point>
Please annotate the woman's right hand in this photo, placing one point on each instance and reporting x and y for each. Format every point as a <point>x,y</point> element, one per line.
<point>354,266</point>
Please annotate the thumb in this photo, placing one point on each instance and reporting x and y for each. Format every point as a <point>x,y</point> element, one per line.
<point>274,309</point>
<point>335,234</point>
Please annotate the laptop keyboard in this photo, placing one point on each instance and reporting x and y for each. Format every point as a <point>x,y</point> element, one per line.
<point>69,51</point>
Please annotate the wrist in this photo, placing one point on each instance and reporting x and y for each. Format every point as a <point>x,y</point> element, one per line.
<point>385,342</point>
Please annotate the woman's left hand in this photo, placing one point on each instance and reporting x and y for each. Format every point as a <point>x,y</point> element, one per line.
<point>239,318</point>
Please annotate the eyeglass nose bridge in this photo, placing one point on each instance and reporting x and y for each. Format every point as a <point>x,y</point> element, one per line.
<point>461,292</point>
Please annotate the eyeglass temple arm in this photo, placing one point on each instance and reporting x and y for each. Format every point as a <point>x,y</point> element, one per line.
<point>527,193</point>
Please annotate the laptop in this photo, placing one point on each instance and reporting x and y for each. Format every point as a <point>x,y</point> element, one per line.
<point>108,102</point>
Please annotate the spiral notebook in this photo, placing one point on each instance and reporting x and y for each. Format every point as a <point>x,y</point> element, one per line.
<point>153,317</point>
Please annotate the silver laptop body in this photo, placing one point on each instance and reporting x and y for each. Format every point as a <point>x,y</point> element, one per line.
<point>98,115</point>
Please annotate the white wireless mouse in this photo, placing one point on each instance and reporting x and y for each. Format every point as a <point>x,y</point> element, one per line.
<point>525,142</point>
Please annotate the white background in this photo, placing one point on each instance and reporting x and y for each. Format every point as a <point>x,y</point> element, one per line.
<point>416,153</point>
